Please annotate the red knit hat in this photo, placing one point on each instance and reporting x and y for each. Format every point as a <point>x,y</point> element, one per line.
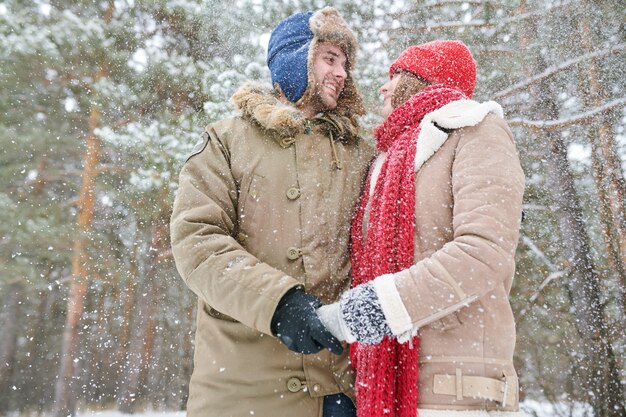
<point>440,62</point>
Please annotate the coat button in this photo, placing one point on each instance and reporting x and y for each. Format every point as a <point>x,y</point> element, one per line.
<point>293,253</point>
<point>294,384</point>
<point>316,387</point>
<point>293,193</point>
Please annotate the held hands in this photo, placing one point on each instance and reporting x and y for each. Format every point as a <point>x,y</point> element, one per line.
<point>297,325</point>
<point>357,316</point>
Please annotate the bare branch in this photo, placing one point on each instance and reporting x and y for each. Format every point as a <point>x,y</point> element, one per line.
<point>539,207</point>
<point>440,3</point>
<point>496,50</point>
<point>550,278</point>
<point>558,68</point>
<point>448,25</point>
<point>112,168</point>
<point>539,125</point>
<point>539,254</point>
<point>483,23</point>
<point>555,272</point>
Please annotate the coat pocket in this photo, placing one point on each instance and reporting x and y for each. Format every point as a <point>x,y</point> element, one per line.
<point>217,315</point>
<point>449,322</point>
<point>249,198</point>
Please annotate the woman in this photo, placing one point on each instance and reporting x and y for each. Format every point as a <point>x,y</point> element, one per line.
<point>433,248</point>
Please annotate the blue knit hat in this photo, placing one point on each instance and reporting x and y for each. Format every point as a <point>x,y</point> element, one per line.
<point>288,54</point>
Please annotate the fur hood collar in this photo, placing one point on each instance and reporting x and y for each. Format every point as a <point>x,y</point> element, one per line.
<point>260,104</point>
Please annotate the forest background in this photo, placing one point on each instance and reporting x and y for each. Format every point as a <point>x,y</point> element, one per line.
<point>100,102</point>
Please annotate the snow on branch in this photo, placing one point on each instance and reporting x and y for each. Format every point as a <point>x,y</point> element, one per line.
<point>539,125</point>
<point>482,23</point>
<point>558,68</point>
<point>539,254</point>
<point>438,3</point>
<point>555,273</point>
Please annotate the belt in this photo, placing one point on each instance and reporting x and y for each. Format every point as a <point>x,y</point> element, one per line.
<point>503,391</point>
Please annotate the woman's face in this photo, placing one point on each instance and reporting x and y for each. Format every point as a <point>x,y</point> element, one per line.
<point>387,91</point>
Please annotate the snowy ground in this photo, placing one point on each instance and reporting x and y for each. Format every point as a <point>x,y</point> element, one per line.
<point>543,409</point>
<point>533,408</point>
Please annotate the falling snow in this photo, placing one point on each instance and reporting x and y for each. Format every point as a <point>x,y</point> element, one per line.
<point>102,102</point>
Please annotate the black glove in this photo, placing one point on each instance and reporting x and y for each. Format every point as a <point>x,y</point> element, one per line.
<point>297,325</point>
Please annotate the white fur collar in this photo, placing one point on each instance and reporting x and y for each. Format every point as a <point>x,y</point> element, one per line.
<point>455,115</point>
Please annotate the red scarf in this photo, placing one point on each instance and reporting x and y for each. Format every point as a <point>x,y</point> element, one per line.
<point>386,373</point>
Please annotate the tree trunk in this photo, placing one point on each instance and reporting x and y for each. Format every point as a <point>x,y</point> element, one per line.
<point>8,346</point>
<point>142,333</point>
<point>596,368</point>
<point>65,395</point>
<point>187,359</point>
<point>127,315</point>
<point>97,369</point>
<point>610,184</point>
<point>38,366</point>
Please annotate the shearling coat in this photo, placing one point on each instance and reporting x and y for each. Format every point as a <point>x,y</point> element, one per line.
<point>468,187</point>
<point>265,206</point>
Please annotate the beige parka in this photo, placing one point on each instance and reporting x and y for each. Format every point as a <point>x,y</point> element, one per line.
<point>265,205</point>
<point>468,206</point>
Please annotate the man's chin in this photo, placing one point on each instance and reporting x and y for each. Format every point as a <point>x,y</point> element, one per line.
<point>324,102</point>
<point>330,103</point>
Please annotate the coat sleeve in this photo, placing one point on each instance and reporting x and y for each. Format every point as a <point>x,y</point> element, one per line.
<point>487,187</point>
<point>210,260</point>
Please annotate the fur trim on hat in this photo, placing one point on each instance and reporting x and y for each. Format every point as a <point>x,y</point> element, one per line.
<point>328,26</point>
<point>261,105</point>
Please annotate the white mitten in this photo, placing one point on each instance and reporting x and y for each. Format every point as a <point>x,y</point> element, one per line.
<point>331,317</point>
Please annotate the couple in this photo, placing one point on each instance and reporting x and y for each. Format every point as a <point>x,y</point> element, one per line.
<point>295,243</point>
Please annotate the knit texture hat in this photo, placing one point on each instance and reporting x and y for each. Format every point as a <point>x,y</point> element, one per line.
<point>446,62</point>
<point>291,51</point>
<point>288,53</point>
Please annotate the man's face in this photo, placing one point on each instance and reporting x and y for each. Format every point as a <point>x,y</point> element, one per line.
<point>329,74</point>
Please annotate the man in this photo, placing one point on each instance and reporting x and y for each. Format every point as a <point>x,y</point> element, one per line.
<point>261,225</point>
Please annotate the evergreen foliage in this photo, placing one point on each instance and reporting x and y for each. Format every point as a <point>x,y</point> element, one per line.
<point>142,78</point>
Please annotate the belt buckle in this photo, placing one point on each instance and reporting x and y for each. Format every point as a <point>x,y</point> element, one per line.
<point>505,393</point>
